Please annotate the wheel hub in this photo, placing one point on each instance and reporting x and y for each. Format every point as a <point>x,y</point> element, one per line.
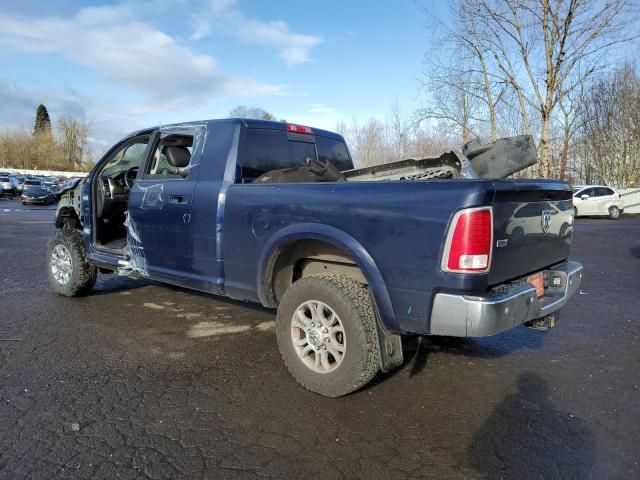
<point>61,264</point>
<point>315,337</point>
<point>318,336</point>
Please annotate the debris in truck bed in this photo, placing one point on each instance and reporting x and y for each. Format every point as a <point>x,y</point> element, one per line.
<point>501,158</point>
<point>498,159</point>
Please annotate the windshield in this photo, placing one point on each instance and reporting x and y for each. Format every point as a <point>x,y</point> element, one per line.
<point>37,191</point>
<point>130,156</point>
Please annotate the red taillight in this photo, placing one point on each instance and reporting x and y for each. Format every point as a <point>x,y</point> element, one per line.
<point>298,129</point>
<point>469,241</point>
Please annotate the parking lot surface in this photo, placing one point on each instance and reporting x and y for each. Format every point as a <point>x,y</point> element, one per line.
<point>141,380</point>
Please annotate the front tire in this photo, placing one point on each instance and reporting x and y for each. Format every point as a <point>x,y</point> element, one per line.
<point>614,213</point>
<point>69,272</point>
<point>327,336</point>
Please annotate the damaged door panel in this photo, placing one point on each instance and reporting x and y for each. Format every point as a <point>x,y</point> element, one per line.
<point>352,259</point>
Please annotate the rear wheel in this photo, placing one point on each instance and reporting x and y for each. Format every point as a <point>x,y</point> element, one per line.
<point>614,212</point>
<point>326,332</point>
<point>69,272</point>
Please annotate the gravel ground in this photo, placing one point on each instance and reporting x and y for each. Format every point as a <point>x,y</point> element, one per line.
<point>141,380</point>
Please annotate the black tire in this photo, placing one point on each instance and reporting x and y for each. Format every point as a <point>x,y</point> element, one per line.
<point>614,213</point>
<point>83,274</point>
<point>563,230</point>
<point>351,302</point>
<point>575,212</point>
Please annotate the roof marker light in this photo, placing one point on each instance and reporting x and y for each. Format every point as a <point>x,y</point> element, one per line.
<point>298,129</point>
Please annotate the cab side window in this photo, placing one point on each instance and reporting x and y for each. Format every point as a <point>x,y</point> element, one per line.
<point>171,157</point>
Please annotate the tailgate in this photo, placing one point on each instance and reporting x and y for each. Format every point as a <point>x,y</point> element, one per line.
<point>533,223</point>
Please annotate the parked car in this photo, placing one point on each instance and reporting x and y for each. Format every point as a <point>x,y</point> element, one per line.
<point>597,200</point>
<point>52,186</point>
<point>32,182</point>
<point>274,213</point>
<point>9,184</point>
<point>20,185</point>
<point>37,195</point>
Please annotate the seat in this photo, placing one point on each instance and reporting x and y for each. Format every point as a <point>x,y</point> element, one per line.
<point>178,157</point>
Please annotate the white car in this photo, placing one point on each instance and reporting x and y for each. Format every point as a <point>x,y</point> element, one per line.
<point>9,184</point>
<point>597,200</point>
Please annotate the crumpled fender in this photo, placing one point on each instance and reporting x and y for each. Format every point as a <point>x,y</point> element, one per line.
<point>69,201</point>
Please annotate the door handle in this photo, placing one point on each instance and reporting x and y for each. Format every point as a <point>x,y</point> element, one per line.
<point>177,199</point>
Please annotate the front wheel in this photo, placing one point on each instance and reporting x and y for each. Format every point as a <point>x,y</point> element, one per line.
<point>614,212</point>
<point>69,272</point>
<point>327,336</point>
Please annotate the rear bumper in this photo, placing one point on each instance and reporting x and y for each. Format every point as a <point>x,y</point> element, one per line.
<point>506,307</point>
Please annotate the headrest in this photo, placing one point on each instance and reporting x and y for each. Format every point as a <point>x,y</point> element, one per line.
<point>178,157</point>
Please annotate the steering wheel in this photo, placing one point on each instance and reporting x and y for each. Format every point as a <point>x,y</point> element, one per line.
<point>130,177</point>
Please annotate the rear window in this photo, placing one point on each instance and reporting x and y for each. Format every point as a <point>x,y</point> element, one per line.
<point>266,150</point>
<point>37,190</point>
<point>4,179</point>
<point>334,151</point>
<point>32,182</point>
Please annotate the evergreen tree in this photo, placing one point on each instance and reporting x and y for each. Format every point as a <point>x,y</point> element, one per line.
<point>43,122</point>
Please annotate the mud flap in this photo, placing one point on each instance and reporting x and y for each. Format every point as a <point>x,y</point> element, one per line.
<point>390,344</point>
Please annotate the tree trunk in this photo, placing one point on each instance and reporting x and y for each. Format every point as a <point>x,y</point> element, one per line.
<point>545,147</point>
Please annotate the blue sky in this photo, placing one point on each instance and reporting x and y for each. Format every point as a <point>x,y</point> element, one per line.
<point>128,64</point>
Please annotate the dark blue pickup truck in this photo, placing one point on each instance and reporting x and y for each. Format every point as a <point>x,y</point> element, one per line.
<point>351,264</point>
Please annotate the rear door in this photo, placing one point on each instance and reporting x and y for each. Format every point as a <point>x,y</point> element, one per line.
<point>605,197</point>
<point>533,223</point>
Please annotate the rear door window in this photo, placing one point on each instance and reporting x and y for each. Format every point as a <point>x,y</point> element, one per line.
<point>335,151</point>
<point>591,192</point>
<point>266,150</point>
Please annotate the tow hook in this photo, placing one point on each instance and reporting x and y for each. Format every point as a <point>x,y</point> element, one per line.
<point>544,323</point>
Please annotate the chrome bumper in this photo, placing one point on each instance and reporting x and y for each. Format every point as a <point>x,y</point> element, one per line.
<point>469,316</point>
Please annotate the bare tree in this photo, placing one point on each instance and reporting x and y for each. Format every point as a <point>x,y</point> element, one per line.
<point>73,134</point>
<point>242,111</point>
<point>460,76</point>
<point>538,46</point>
<point>610,128</point>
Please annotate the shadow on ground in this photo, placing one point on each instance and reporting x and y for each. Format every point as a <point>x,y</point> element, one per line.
<point>418,349</point>
<point>526,436</point>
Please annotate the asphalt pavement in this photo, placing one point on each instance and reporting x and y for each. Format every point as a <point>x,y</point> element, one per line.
<point>143,380</point>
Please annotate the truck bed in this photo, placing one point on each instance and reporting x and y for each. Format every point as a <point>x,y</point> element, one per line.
<point>401,226</point>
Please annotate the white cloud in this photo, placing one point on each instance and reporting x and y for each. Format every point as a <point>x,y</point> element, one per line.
<point>320,108</point>
<point>201,27</point>
<point>294,48</point>
<point>129,52</point>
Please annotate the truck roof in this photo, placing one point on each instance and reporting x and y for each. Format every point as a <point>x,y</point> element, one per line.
<point>248,122</point>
